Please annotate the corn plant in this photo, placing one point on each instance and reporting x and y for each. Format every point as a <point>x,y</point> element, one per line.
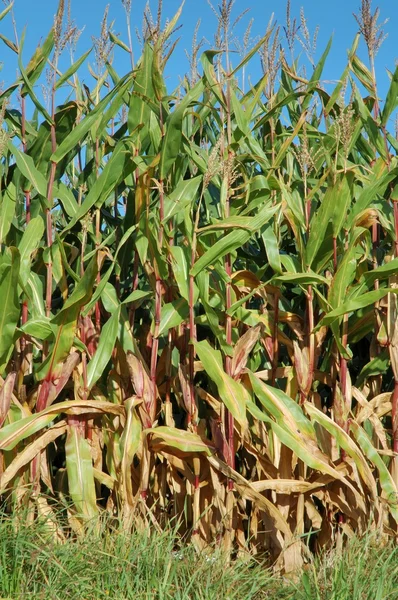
<point>199,315</point>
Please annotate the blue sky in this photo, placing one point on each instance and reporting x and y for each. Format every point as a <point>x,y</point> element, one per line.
<point>334,17</point>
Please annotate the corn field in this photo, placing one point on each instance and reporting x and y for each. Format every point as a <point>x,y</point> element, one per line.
<point>198,316</point>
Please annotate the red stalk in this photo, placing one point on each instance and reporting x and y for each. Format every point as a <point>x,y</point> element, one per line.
<point>97,242</point>
<point>155,339</point>
<point>275,341</point>
<point>48,210</point>
<point>394,416</point>
<point>228,367</point>
<point>192,340</point>
<point>310,308</point>
<point>334,254</point>
<point>158,301</point>
<point>171,333</point>
<point>24,316</point>
<point>394,410</point>
<point>136,256</point>
<point>396,226</point>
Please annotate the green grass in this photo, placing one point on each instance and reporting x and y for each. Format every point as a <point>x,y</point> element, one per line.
<point>135,566</point>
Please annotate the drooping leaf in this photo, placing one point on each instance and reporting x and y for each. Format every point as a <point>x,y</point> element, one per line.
<point>72,69</point>
<point>232,393</point>
<point>79,467</point>
<point>171,439</point>
<point>173,313</point>
<point>355,304</point>
<point>232,241</point>
<point>104,350</point>
<point>173,130</point>
<point>183,195</point>
<point>391,100</point>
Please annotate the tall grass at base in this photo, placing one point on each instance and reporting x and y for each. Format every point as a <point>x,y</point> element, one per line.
<point>120,565</point>
<point>123,566</point>
<point>363,570</point>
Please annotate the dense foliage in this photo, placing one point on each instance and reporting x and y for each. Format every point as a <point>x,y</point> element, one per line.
<point>198,316</point>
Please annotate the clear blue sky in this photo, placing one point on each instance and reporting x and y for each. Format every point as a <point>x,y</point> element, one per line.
<point>334,17</point>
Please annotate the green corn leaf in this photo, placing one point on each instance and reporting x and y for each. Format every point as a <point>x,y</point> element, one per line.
<point>207,62</point>
<point>30,241</point>
<point>67,198</point>
<point>79,468</point>
<point>276,109</point>
<point>104,350</point>
<point>301,449</point>
<point>7,210</point>
<point>337,91</point>
<point>376,186</point>
<point>111,303</point>
<point>129,444</point>
<point>316,76</point>
<point>139,109</point>
<point>253,51</point>
<point>137,297</point>
<point>26,166</point>
<point>82,292</point>
<point>120,164</point>
<point>345,442</point>
<point>28,84</point>
<point>40,150</point>
<point>377,366</point>
<point>39,60</point>
<point>12,434</point>
<point>309,278</point>
<point>183,195</point>
<point>391,99</point>
<point>66,321</point>
<point>386,481</point>
<point>363,73</point>
<point>232,393</point>
<point>383,272</point>
<point>6,10</point>
<point>320,221</point>
<point>288,142</point>
<point>342,279</point>
<point>9,305</point>
<point>238,222</point>
<point>181,271</point>
<point>39,328</point>
<point>35,293</point>
<point>173,314</point>
<point>355,304</point>
<point>72,69</point>
<point>173,130</point>
<point>9,43</point>
<point>285,410</point>
<point>118,42</point>
<point>242,116</point>
<point>231,241</point>
<point>342,198</point>
<point>370,126</point>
